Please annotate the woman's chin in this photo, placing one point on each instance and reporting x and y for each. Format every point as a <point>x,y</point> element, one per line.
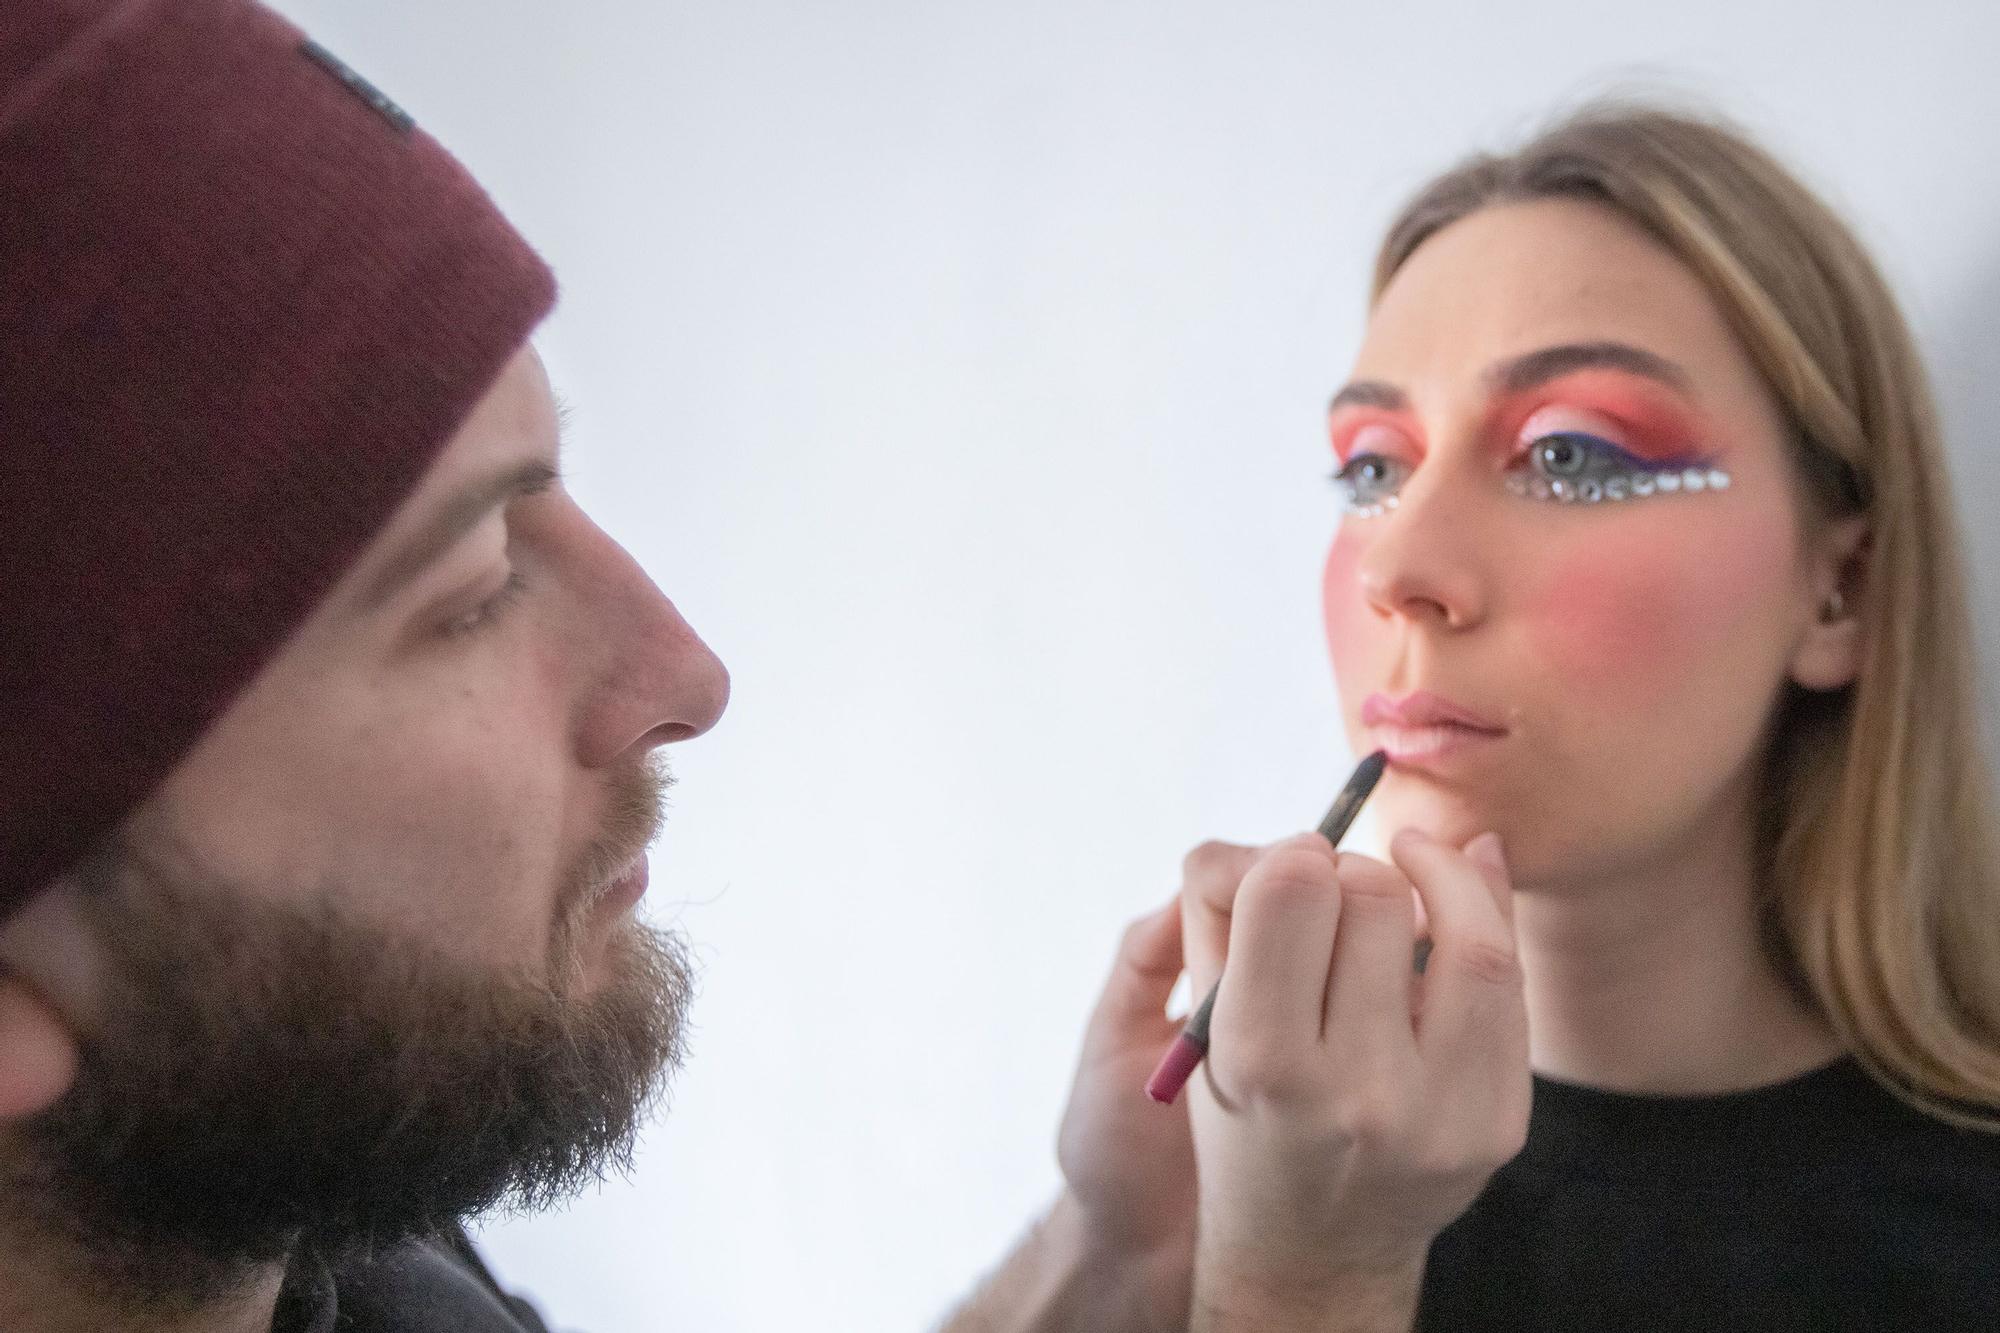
<point>1449,817</point>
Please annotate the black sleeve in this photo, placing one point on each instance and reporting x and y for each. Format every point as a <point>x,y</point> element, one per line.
<point>438,1285</point>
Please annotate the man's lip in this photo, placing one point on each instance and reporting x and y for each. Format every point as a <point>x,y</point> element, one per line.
<point>627,887</point>
<point>1423,709</point>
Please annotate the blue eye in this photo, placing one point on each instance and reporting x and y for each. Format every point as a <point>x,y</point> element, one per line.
<point>1573,455</point>
<point>1569,466</point>
<point>1370,479</point>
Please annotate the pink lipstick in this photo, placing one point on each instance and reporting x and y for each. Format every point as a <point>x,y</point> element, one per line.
<point>1423,726</point>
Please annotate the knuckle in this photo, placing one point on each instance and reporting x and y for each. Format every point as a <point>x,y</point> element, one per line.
<point>1365,881</point>
<point>1285,869</point>
<point>1370,1123</point>
<point>1262,1067</point>
<point>1132,941</point>
<point>1491,961</point>
<point>1278,899</point>
<point>1444,1160</point>
<point>1373,897</point>
<point>1212,860</point>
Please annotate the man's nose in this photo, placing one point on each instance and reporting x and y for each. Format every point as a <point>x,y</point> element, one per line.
<point>655,682</point>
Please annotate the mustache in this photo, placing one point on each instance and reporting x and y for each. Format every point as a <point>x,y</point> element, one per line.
<point>635,810</point>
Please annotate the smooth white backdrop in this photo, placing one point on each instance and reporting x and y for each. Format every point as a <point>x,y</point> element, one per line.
<point>958,368</point>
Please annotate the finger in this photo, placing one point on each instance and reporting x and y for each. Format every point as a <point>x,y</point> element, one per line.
<point>1143,974</point>
<point>1210,876</point>
<point>1472,1006</point>
<point>1367,1010</point>
<point>1486,852</point>
<point>1280,945</point>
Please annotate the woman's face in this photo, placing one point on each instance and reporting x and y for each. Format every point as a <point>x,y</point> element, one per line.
<point>1617,659</point>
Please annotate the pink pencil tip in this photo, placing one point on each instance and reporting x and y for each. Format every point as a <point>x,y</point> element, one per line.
<point>1175,1066</point>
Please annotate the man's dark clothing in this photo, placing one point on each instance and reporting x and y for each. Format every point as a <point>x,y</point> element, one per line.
<point>429,1286</point>
<point>1823,1203</point>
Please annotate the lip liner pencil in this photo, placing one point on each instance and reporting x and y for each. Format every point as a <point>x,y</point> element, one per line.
<point>1188,1049</point>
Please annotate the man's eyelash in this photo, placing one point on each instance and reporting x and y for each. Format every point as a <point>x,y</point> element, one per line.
<point>489,610</point>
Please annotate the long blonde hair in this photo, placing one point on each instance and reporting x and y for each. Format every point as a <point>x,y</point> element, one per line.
<point>1876,847</point>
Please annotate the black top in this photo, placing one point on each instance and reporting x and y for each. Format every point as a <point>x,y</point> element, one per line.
<point>428,1286</point>
<point>1822,1203</point>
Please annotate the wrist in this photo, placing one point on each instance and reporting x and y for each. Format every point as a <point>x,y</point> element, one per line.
<point>1117,1281</point>
<point>1376,1295</point>
<point>1067,1276</point>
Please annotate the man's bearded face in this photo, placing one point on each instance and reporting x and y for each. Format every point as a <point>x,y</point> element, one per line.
<point>269,1079</point>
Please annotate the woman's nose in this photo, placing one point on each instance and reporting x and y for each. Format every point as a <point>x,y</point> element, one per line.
<point>1427,559</point>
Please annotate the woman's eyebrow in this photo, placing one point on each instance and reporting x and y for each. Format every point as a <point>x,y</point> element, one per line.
<point>1371,393</point>
<point>1533,371</point>
<point>1529,371</point>
<point>1522,373</point>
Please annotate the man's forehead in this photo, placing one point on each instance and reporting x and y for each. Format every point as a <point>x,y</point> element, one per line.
<point>508,444</point>
<point>515,420</point>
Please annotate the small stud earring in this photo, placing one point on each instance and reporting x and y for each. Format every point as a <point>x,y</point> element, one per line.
<point>1835,608</point>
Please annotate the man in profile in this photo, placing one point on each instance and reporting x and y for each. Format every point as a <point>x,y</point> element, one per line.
<point>333,733</point>
<point>333,724</point>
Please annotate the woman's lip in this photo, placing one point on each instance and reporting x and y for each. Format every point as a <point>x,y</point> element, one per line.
<point>1420,745</point>
<point>1420,710</point>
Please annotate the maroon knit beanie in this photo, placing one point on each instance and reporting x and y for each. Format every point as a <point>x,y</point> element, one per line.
<point>243,303</point>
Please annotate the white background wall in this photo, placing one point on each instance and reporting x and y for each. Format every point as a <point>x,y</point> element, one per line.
<point>958,368</point>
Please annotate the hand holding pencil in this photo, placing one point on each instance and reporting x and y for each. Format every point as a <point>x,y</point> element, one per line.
<point>1192,1044</point>
<point>1339,1128</point>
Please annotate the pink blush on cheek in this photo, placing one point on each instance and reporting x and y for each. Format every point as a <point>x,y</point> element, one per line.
<point>1598,626</point>
<point>1341,602</point>
<point>1637,618</point>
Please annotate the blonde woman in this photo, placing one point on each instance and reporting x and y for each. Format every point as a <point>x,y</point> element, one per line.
<point>1650,584</point>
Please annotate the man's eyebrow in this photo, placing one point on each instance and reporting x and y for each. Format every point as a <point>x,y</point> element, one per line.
<point>1371,393</point>
<point>452,520</point>
<point>1538,368</point>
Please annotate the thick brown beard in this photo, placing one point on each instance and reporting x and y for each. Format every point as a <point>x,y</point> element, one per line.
<point>270,1081</point>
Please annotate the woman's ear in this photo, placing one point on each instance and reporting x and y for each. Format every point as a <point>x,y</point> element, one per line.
<point>1828,653</point>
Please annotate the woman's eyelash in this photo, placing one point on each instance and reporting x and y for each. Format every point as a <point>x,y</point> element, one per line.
<point>1566,467</point>
<point>1368,482</point>
<point>489,610</point>
<point>1572,467</point>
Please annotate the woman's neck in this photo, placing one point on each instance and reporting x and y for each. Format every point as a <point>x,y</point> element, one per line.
<point>1654,980</point>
